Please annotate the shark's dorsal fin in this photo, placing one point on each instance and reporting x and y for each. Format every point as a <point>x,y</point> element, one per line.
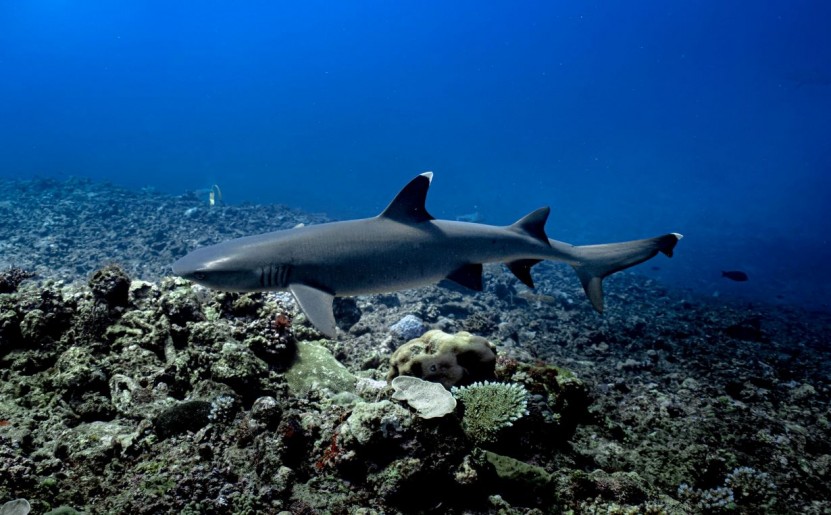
<point>533,224</point>
<point>408,206</point>
<point>317,305</point>
<point>469,276</point>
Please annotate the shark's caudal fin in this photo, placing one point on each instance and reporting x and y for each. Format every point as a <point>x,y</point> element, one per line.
<point>598,261</point>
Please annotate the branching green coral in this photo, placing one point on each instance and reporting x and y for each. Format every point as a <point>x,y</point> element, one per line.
<point>490,407</point>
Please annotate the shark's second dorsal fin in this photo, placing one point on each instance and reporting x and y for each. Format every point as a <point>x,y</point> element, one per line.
<point>408,206</point>
<point>533,224</point>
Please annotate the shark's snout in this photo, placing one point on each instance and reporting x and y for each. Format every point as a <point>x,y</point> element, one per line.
<point>182,267</point>
<point>190,266</point>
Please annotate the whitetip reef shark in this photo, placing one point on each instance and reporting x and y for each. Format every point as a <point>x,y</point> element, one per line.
<point>403,247</point>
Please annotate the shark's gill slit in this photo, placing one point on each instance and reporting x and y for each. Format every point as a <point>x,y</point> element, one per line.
<point>284,276</point>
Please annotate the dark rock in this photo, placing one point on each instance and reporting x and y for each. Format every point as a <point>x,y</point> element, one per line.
<point>11,279</point>
<point>482,323</point>
<point>389,300</point>
<point>748,330</point>
<point>347,312</point>
<point>504,291</point>
<point>454,309</point>
<point>9,330</point>
<point>111,285</point>
<point>238,304</point>
<point>271,337</point>
<point>185,416</point>
<point>266,411</point>
<point>180,304</point>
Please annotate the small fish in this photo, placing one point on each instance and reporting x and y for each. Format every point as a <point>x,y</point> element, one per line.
<point>735,275</point>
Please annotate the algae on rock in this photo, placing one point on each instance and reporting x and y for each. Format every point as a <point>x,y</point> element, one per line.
<point>315,367</point>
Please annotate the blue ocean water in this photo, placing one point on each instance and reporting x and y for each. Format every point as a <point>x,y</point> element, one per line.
<point>630,119</point>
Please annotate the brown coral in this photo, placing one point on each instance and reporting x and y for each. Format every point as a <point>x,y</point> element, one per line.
<point>449,359</point>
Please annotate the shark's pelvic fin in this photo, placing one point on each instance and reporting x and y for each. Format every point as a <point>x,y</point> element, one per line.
<point>469,276</point>
<point>599,261</point>
<point>533,224</point>
<point>408,206</point>
<point>317,305</point>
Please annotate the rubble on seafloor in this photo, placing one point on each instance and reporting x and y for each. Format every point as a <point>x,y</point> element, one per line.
<point>121,395</point>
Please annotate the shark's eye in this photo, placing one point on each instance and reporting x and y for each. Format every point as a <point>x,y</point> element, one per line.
<point>200,276</point>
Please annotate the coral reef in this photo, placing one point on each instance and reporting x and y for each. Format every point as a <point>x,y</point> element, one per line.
<point>15,507</point>
<point>315,368</point>
<point>745,489</point>
<point>490,407</point>
<point>10,279</point>
<point>451,360</point>
<point>110,285</point>
<point>175,399</point>
<point>430,400</point>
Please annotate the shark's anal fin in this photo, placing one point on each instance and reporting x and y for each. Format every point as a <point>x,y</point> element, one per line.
<point>317,305</point>
<point>469,276</point>
<point>521,268</point>
<point>408,206</point>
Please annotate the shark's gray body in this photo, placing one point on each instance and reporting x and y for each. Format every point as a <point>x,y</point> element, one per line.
<point>403,247</point>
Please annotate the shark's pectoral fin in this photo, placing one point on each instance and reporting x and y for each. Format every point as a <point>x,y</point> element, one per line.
<point>521,268</point>
<point>469,276</point>
<point>317,305</point>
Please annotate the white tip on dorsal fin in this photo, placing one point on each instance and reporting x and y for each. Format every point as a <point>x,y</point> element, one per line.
<point>408,206</point>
